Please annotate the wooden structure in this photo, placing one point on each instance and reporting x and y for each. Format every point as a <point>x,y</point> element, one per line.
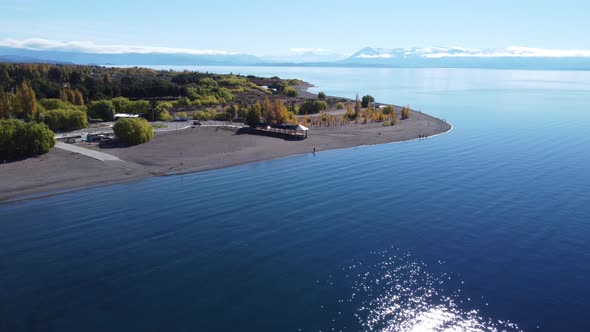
<point>289,132</point>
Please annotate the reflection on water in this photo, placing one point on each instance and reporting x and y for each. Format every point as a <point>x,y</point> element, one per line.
<point>393,292</point>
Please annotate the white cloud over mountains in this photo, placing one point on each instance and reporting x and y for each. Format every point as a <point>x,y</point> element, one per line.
<point>299,53</point>
<point>90,47</point>
<point>443,52</point>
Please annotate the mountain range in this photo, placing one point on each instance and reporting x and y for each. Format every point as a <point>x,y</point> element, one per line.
<point>425,57</point>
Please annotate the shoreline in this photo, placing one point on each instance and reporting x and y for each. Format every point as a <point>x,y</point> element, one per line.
<point>174,153</point>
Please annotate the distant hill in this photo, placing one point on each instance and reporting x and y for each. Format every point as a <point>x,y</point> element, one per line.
<point>50,56</point>
<point>428,57</point>
<point>26,59</point>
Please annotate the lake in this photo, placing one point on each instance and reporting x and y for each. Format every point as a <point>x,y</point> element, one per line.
<point>484,228</point>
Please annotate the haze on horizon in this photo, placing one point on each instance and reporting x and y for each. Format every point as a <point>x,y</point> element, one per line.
<point>277,28</point>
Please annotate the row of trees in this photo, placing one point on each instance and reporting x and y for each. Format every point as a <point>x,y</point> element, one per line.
<point>83,84</point>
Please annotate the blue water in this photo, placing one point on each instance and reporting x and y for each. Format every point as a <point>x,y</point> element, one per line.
<point>484,228</point>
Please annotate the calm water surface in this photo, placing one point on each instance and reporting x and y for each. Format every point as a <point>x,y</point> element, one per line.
<point>484,228</point>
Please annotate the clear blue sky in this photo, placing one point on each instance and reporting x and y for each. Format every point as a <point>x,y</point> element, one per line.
<point>274,27</point>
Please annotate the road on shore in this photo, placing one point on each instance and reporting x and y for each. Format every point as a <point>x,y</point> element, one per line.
<point>86,152</point>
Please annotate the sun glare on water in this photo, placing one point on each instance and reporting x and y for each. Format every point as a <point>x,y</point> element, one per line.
<point>392,292</point>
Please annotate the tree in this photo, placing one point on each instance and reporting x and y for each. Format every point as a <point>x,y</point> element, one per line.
<point>20,140</point>
<point>321,95</point>
<point>121,104</point>
<point>266,108</point>
<point>101,109</point>
<point>26,101</point>
<point>367,100</point>
<point>107,79</point>
<point>254,115</point>
<point>357,106</point>
<point>311,106</point>
<point>133,131</point>
<point>4,105</point>
<point>231,111</point>
<point>65,119</point>
<point>161,111</point>
<point>78,98</point>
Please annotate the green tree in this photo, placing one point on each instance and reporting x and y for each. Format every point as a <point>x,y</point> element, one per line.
<point>4,105</point>
<point>339,106</point>
<point>231,111</point>
<point>139,107</point>
<point>133,131</point>
<point>254,115</point>
<point>78,98</point>
<point>107,79</point>
<point>312,106</point>
<point>21,140</point>
<point>266,109</point>
<point>65,119</point>
<point>101,109</point>
<point>367,100</point>
<point>161,111</point>
<point>321,95</point>
<point>121,104</point>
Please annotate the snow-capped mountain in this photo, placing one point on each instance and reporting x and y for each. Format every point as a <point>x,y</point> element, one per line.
<point>40,50</point>
<point>305,55</point>
<point>460,57</point>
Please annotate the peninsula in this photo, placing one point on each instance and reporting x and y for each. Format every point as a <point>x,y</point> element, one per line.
<point>209,131</point>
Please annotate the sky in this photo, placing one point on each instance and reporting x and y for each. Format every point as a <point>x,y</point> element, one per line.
<point>282,27</point>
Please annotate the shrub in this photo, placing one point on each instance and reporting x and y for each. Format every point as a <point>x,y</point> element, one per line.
<point>164,116</point>
<point>367,100</point>
<point>183,102</point>
<point>388,109</point>
<point>203,115</point>
<point>53,104</point>
<point>311,106</point>
<point>198,115</point>
<point>20,140</point>
<point>350,114</point>
<point>101,109</point>
<point>64,119</point>
<point>321,95</point>
<point>290,92</point>
<point>222,116</point>
<point>340,106</point>
<point>405,112</point>
<point>207,81</point>
<point>133,131</point>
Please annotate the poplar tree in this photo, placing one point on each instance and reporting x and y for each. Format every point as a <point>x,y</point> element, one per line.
<point>357,106</point>
<point>26,101</point>
<point>4,105</point>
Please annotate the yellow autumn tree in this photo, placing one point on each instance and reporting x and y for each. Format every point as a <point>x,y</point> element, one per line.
<point>26,101</point>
